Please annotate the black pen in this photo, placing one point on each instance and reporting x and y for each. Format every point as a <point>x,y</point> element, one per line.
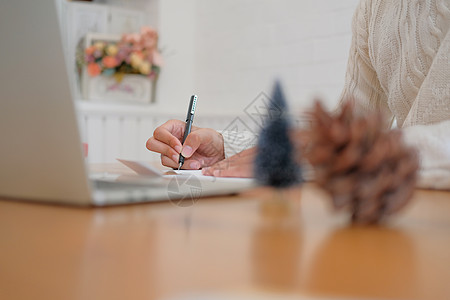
<point>188,127</point>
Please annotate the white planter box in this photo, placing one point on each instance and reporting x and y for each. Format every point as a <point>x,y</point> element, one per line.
<point>133,88</point>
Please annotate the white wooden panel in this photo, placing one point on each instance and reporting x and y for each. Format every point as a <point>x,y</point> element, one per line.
<point>112,138</point>
<point>122,132</point>
<point>128,138</point>
<point>95,139</point>
<point>125,20</point>
<point>147,126</point>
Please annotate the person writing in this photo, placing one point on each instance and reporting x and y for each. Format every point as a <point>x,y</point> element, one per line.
<point>399,65</point>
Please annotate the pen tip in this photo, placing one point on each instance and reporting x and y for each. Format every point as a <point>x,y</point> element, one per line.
<point>179,166</point>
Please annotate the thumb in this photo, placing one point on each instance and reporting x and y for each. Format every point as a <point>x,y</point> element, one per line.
<point>193,141</point>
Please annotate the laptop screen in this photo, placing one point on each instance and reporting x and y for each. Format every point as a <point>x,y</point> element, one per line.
<point>41,155</point>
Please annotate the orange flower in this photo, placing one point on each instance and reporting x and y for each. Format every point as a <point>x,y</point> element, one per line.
<point>93,69</point>
<point>90,50</point>
<point>109,61</point>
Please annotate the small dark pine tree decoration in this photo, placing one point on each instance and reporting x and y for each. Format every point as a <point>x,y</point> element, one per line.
<point>275,163</point>
<point>364,168</point>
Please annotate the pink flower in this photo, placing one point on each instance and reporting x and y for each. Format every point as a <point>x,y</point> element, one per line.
<point>109,61</point>
<point>157,58</point>
<point>93,69</point>
<point>123,53</point>
<point>146,30</point>
<point>97,53</point>
<point>149,43</point>
<point>135,38</point>
<point>89,58</point>
<point>138,51</point>
<point>136,48</point>
<point>149,37</point>
<point>127,38</point>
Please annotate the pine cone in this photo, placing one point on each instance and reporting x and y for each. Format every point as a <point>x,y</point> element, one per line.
<point>362,166</point>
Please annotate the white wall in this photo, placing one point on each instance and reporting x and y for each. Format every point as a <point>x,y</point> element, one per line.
<point>177,43</point>
<point>242,45</point>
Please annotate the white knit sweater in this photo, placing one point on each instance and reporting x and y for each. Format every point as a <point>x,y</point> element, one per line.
<point>399,60</point>
<point>399,64</point>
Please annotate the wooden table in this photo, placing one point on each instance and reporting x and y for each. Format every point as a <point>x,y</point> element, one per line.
<point>257,241</point>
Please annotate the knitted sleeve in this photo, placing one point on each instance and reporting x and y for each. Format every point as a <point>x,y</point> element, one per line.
<point>361,82</point>
<point>235,142</point>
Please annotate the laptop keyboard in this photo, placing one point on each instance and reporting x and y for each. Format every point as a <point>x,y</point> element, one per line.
<point>122,192</point>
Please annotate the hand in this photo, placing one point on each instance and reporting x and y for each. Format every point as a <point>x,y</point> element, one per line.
<point>238,165</point>
<point>203,146</point>
<point>301,141</point>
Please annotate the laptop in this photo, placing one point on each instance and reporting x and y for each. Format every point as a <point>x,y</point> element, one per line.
<point>41,157</point>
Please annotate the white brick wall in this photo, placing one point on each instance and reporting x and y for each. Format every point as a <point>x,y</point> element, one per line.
<point>241,46</point>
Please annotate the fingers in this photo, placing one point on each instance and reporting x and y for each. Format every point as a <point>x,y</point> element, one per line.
<point>210,141</point>
<point>165,140</point>
<point>192,164</point>
<point>169,162</point>
<point>159,147</point>
<point>202,147</point>
<point>192,142</point>
<point>301,140</point>
<point>230,170</point>
<point>165,136</point>
<point>170,133</point>
<point>239,165</point>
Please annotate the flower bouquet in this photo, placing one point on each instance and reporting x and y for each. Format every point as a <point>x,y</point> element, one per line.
<point>120,67</point>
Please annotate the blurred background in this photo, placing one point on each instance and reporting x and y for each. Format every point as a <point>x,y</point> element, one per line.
<point>227,52</point>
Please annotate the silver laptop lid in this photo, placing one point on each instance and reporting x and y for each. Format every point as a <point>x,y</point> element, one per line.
<point>40,150</point>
